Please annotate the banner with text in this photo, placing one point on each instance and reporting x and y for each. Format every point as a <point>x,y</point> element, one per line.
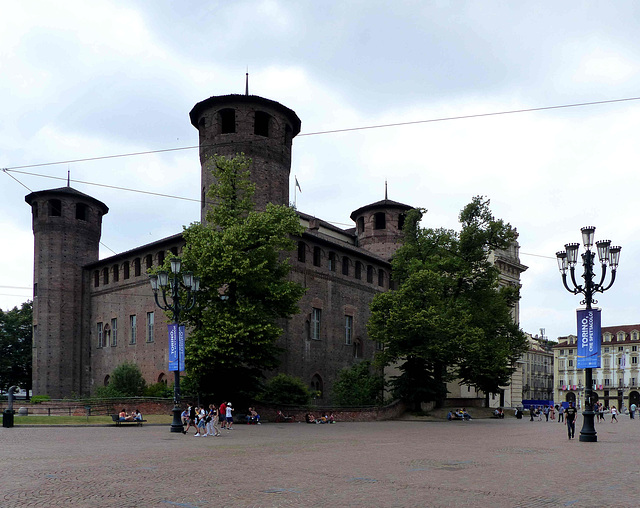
<point>176,347</point>
<point>589,334</point>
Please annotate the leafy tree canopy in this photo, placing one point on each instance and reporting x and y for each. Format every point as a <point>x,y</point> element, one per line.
<point>244,291</point>
<point>15,347</point>
<point>358,386</point>
<point>450,317</point>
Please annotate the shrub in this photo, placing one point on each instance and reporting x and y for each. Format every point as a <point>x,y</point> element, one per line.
<point>36,399</point>
<point>358,386</point>
<point>125,381</point>
<point>159,390</point>
<point>286,390</point>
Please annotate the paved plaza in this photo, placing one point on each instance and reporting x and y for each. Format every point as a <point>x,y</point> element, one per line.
<point>483,463</point>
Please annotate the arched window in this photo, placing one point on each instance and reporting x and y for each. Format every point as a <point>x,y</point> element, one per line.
<point>162,379</point>
<point>136,267</point>
<point>381,278</point>
<point>345,265</point>
<point>55,208</point>
<point>174,251</point>
<point>96,279</point>
<point>125,269</point>
<point>360,225</point>
<point>105,275</point>
<point>317,386</point>
<point>358,270</point>
<point>227,121</point>
<point>379,220</point>
<point>302,252</point>
<point>261,124</point>
<point>148,261</point>
<point>369,273</point>
<point>116,273</point>
<point>332,261</point>
<point>160,258</point>
<point>107,335</point>
<point>107,378</point>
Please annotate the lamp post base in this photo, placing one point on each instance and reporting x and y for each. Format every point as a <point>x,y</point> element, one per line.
<point>176,424</point>
<point>588,432</point>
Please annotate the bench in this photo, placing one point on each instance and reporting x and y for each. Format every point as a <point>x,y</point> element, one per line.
<point>117,421</point>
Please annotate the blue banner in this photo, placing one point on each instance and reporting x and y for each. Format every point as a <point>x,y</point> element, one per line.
<point>176,347</point>
<point>589,335</point>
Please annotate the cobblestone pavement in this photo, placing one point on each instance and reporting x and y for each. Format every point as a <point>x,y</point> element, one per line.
<point>401,463</point>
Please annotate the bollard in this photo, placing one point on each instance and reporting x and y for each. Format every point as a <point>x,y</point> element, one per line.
<point>7,414</point>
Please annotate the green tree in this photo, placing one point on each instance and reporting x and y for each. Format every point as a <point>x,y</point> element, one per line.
<point>126,380</point>
<point>15,347</point>
<point>244,292</point>
<point>358,386</point>
<point>283,389</point>
<point>450,317</point>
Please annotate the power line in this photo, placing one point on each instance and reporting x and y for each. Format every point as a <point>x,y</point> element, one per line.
<point>349,129</point>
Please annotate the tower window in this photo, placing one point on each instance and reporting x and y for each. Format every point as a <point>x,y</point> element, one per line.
<point>316,315</point>
<point>96,279</point>
<point>302,252</point>
<point>360,225</point>
<point>160,258</point>
<point>136,267</point>
<point>105,275</point>
<point>380,220</point>
<point>317,256</point>
<point>34,209</point>
<point>81,211</point>
<point>348,330</point>
<point>227,119</point>
<point>345,265</point>
<point>55,208</point>
<point>358,270</point>
<point>116,273</point>
<point>148,261</point>
<point>401,220</point>
<point>369,273</point>
<point>288,135</point>
<point>332,261</point>
<point>381,278</point>
<point>261,124</point>
<point>125,269</point>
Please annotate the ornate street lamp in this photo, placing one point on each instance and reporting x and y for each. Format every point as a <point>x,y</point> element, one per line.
<point>182,294</point>
<point>567,260</point>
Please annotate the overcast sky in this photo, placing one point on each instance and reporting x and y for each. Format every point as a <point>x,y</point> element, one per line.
<point>89,79</point>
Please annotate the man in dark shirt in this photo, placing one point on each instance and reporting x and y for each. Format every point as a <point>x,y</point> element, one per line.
<point>570,417</point>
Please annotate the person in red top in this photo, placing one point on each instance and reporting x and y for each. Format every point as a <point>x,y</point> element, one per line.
<point>223,415</point>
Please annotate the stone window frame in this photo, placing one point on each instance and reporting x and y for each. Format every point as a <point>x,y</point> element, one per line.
<point>150,327</point>
<point>316,323</point>
<point>114,332</point>
<point>348,329</point>
<point>133,329</point>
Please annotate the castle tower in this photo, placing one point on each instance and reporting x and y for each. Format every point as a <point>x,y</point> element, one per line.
<point>260,128</point>
<point>66,228</point>
<point>379,226</point>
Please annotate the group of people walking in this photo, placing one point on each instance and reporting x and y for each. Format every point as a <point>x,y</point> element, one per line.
<point>208,421</point>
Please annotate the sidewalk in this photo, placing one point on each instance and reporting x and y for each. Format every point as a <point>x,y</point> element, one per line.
<point>401,463</point>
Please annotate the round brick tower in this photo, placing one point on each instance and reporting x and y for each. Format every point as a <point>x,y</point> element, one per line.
<point>379,226</point>
<point>66,227</point>
<point>260,128</point>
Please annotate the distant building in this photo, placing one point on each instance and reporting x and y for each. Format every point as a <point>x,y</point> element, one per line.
<point>616,383</point>
<point>91,315</point>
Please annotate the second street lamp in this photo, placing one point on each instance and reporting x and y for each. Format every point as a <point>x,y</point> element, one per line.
<point>589,335</point>
<point>177,296</point>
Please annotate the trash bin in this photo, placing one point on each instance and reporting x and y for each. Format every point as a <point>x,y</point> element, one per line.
<point>7,418</point>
